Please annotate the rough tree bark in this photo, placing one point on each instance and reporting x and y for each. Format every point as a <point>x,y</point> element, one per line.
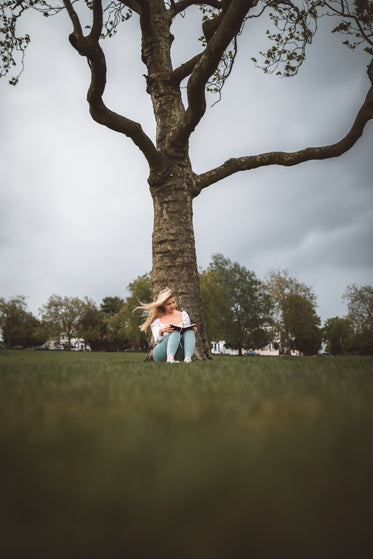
<point>173,184</point>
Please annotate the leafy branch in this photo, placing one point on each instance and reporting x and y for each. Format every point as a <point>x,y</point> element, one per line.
<point>295,27</point>
<point>356,22</point>
<point>294,30</point>
<point>12,45</point>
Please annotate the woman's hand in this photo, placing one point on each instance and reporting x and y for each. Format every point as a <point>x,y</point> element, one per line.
<point>167,328</point>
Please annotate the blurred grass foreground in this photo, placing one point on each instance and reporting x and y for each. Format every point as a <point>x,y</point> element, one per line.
<point>104,455</point>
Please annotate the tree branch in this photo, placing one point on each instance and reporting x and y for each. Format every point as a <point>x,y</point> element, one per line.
<point>96,30</point>
<point>90,48</point>
<point>182,5</point>
<point>229,27</point>
<point>232,166</point>
<point>74,18</point>
<point>134,5</point>
<point>180,73</point>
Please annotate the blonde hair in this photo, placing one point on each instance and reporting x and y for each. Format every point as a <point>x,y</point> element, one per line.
<point>155,309</point>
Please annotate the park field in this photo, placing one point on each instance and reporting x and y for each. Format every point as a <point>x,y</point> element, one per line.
<point>107,456</point>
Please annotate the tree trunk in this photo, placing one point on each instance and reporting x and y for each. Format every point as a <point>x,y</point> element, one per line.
<point>174,255</point>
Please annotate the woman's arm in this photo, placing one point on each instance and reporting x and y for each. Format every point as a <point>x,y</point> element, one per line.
<point>159,330</point>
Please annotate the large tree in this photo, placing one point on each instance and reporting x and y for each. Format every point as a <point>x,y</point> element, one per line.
<point>140,291</point>
<point>360,306</point>
<point>338,335</point>
<point>91,325</point>
<point>360,315</point>
<point>246,307</point>
<point>62,316</point>
<point>113,312</point>
<point>18,326</point>
<point>294,303</point>
<point>301,324</point>
<point>216,304</point>
<point>172,181</point>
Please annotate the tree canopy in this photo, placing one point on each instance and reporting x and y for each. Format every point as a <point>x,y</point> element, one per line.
<point>244,305</point>
<point>301,324</point>
<point>18,326</point>
<point>295,318</point>
<point>360,316</point>
<point>140,291</point>
<point>62,315</point>
<point>337,334</point>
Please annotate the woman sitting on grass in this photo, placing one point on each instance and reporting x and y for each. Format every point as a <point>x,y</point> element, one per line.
<point>170,343</point>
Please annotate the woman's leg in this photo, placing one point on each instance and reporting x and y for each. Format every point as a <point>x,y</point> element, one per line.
<point>189,342</point>
<point>160,351</point>
<point>167,347</point>
<point>173,342</point>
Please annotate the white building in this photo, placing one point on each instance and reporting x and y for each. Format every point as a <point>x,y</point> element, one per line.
<point>218,348</point>
<point>76,344</point>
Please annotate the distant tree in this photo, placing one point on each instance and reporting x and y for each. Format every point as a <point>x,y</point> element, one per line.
<point>280,285</point>
<point>91,325</point>
<point>112,309</point>
<point>18,325</point>
<point>301,324</point>
<point>62,316</point>
<point>178,94</point>
<point>338,335</point>
<point>249,318</point>
<point>362,342</point>
<point>116,331</point>
<point>360,314</point>
<point>111,305</point>
<point>141,290</point>
<point>216,304</point>
<point>360,306</point>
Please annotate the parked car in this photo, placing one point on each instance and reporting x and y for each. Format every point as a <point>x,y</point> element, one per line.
<point>57,348</point>
<point>2,346</point>
<point>42,347</point>
<point>251,353</point>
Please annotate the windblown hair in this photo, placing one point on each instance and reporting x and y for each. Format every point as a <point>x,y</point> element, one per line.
<point>156,309</point>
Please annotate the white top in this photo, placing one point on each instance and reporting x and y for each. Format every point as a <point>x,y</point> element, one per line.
<point>156,325</point>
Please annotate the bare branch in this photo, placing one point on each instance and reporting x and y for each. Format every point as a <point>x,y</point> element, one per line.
<point>90,48</point>
<point>229,27</point>
<point>235,165</point>
<point>74,18</point>
<point>180,73</point>
<point>96,30</point>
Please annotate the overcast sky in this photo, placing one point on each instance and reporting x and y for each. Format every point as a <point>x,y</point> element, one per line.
<point>76,214</point>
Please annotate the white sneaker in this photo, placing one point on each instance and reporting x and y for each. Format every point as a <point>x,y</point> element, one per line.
<point>171,359</point>
<point>187,359</point>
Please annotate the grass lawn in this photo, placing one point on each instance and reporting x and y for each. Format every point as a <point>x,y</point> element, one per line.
<point>103,455</point>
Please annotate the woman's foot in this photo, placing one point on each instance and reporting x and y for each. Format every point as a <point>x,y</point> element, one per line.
<point>187,359</point>
<point>170,359</point>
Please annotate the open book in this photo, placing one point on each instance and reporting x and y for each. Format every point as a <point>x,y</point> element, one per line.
<point>182,329</point>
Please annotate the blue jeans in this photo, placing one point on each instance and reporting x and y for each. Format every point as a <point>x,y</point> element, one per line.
<point>178,345</point>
